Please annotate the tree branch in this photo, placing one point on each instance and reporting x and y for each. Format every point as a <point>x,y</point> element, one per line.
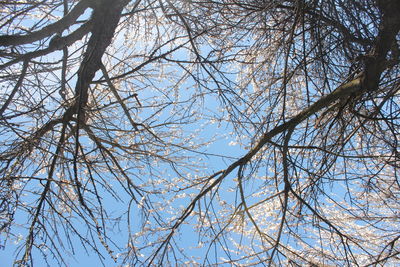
<point>58,26</point>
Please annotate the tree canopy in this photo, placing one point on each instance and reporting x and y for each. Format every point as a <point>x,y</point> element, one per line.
<point>177,132</point>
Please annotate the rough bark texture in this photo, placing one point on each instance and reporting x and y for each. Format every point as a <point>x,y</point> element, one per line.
<point>105,20</point>
<point>376,61</point>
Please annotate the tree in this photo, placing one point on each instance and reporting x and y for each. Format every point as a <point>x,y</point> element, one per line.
<point>114,115</point>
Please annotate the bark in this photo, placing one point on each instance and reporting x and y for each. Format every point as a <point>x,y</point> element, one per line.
<point>105,20</point>
<point>59,26</point>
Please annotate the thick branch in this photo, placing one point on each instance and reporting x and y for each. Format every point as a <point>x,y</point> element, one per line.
<point>60,44</point>
<point>59,26</point>
<point>105,19</point>
<point>366,81</point>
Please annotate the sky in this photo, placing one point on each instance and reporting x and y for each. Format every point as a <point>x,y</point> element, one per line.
<point>208,118</point>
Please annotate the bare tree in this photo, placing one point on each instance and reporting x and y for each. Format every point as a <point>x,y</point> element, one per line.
<point>116,114</point>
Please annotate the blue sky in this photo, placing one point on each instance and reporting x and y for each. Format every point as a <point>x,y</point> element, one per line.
<point>184,112</point>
